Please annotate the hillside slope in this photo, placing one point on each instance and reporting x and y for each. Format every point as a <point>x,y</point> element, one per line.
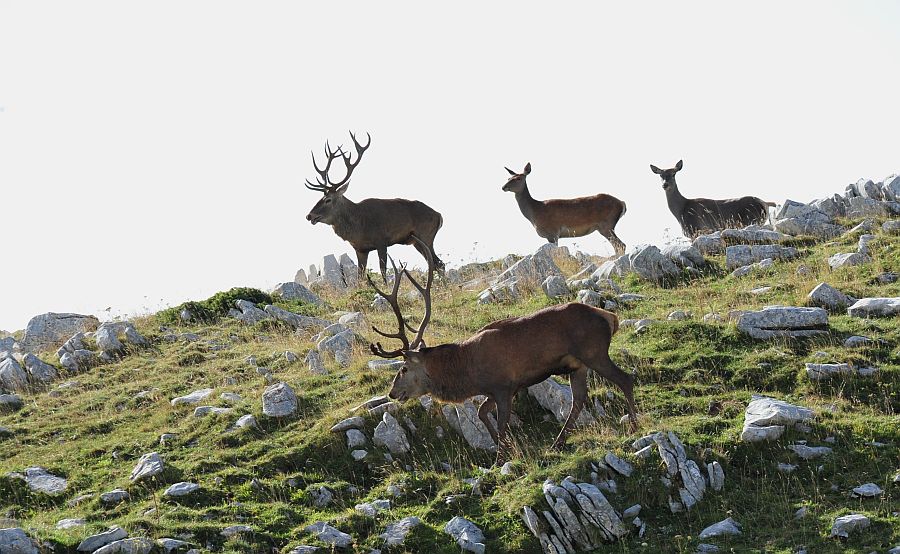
<point>695,378</point>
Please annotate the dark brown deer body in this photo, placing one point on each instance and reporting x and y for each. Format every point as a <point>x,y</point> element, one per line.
<point>509,355</point>
<point>571,217</point>
<point>374,223</point>
<point>702,215</point>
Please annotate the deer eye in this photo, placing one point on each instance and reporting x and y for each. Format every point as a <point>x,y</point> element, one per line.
<point>402,370</point>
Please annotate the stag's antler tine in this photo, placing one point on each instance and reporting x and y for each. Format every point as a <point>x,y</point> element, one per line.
<point>395,306</point>
<point>426,293</point>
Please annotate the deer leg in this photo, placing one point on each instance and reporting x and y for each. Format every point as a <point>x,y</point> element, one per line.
<point>605,367</point>
<point>362,259</point>
<point>578,380</point>
<point>483,412</point>
<point>382,263</point>
<point>614,240</point>
<point>503,444</point>
<point>426,249</point>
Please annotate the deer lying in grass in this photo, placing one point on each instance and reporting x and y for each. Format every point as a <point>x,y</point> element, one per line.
<point>571,217</point>
<point>374,223</point>
<point>504,357</point>
<point>702,215</point>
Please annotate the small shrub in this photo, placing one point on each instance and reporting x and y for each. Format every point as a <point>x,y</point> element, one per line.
<point>216,306</point>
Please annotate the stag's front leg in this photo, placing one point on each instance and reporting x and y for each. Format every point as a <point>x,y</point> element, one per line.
<point>362,260</point>
<point>504,446</point>
<point>483,411</point>
<point>578,380</point>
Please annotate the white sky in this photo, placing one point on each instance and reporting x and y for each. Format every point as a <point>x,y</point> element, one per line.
<point>154,152</point>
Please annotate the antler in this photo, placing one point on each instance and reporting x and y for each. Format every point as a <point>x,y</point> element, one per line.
<point>323,183</point>
<point>402,325</point>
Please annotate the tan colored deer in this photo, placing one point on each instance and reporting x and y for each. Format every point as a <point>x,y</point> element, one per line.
<point>570,217</point>
<point>373,223</point>
<point>504,357</point>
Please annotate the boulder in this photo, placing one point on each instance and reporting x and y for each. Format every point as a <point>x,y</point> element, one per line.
<point>193,398</point>
<point>14,541</point>
<point>296,321</point>
<point>765,418</point>
<point>279,400</point>
<point>826,296</point>
<point>466,534</point>
<point>463,418</point>
<point>710,245</point>
<point>866,207</point>
<point>720,529</point>
<point>94,542</point>
<point>149,465</point>
<point>137,545</point>
<point>818,372</point>
<point>389,434</point>
<point>371,509</point>
<point>868,490</point>
<point>339,347</point>
<point>297,291</point>
<point>315,363</point>
<point>746,254</point>
<point>181,489</point>
<point>875,307</point>
<point>40,373</point>
<point>557,399</point>
<point>40,480</point>
<point>783,321</point>
<point>49,330</point>
<point>12,376</point>
<point>844,525</point>
<point>249,313</point>
<point>396,533</point>
<point>555,287</point>
<point>202,411</point>
<point>329,535</point>
<point>684,255</point>
<point>681,472</point>
<point>532,269</point>
<point>847,259</point>
<point>10,402</point>
<point>753,234</point>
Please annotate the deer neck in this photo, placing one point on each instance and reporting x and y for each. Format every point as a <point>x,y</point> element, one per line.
<point>675,200</point>
<point>527,204</point>
<point>346,218</point>
<point>449,374</point>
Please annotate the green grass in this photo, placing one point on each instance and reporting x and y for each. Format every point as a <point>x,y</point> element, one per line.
<point>94,433</point>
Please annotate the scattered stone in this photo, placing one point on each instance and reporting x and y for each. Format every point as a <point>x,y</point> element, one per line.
<point>783,321</point>
<point>193,398</point>
<point>555,287</point>
<point>818,372</point>
<point>181,489</point>
<point>51,329</point>
<point>296,291</point>
<point>279,400</point>
<point>233,530</point>
<point>786,468</point>
<point>395,534</point>
<point>810,452</point>
<point>12,376</point>
<point>590,298</point>
<point>114,497</point>
<point>723,528</point>
<point>64,524</point>
<point>339,347</point>
<point>463,418</point>
<point>315,363</point>
<point>355,438</point>
<point>14,541</point>
<point>171,545</point>
<point>40,373</point>
<point>826,296</point>
<point>875,307</point>
<point>202,411</point>
<point>716,475</point>
<point>557,399</point>
<point>370,509</point>
<point>847,259</point>
<point>128,546</point>
<point>150,465</point>
<point>679,315</point>
<point>359,455</point>
<point>328,534</point>
<point>40,480</point>
<point>744,254</point>
<point>94,542</point>
<point>869,490</point>
<point>389,434</point>
<point>507,469</point>
<point>356,422</point>
<point>619,465</point>
<point>844,525</point>
<point>765,418</point>
<point>466,534</point>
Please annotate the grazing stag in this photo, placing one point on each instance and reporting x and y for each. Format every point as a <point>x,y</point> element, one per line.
<point>570,217</point>
<point>702,215</point>
<point>373,223</point>
<point>505,357</point>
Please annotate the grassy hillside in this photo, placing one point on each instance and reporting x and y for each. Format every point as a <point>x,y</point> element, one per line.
<point>94,431</point>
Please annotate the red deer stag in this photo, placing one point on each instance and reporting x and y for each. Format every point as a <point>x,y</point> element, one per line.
<point>373,223</point>
<point>505,357</point>
<point>570,217</point>
<point>702,215</point>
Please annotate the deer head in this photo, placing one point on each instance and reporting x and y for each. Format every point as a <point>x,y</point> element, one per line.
<point>668,175</point>
<point>516,183</point>
<point>412,379</point>
<point>333,191</point>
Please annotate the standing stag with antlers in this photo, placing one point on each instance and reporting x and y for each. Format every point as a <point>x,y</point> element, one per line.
<point>373,223</point>
<point>505,357</point>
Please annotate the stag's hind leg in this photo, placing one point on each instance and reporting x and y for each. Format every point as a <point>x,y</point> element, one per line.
<point>578,381</point>
<point>504,445</point>
<point>425,246</point>
<point>614,240</point>
<point>483,411</point>
<point>382,263</point>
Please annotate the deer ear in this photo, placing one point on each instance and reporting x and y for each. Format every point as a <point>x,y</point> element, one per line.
<point>679,165</point>
<point>413,357</point>
<point>527,169</point>
<point>511,172</point>
<point>341,189</point>
<point>655,169</point>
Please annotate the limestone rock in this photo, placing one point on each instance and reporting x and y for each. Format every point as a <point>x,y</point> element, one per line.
<point>193,398</point>
<point>783,321</point>
<point>557,399</point>
<point>555,286</point>
<point>181,489</point>
<point>140,545</point>
<point>202,411</point>
<point>826,296</point>
<point>328,534</point>
<point>14,541</point>
<point>48,330</point>
<point>40,480</point>
<point>296,321</point>
<point>297,291</point>
<point>875,307</point>
<point>396,533</point>
<point>844,525</point>
<point>113,497</point>
<point>463,418</point>
<point>722,528</point>
<point>93,542</point>
<point>150,465</point>
<point>12,376</point>
<point>39,372</point>
<point>389,434</point>
<point>847,259</point>
<point>765,418</point>
<point>279,400</point>
<point>868,490</point>
<point>466,534</point>
<point>745,254</point>
<point>315,363</point>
